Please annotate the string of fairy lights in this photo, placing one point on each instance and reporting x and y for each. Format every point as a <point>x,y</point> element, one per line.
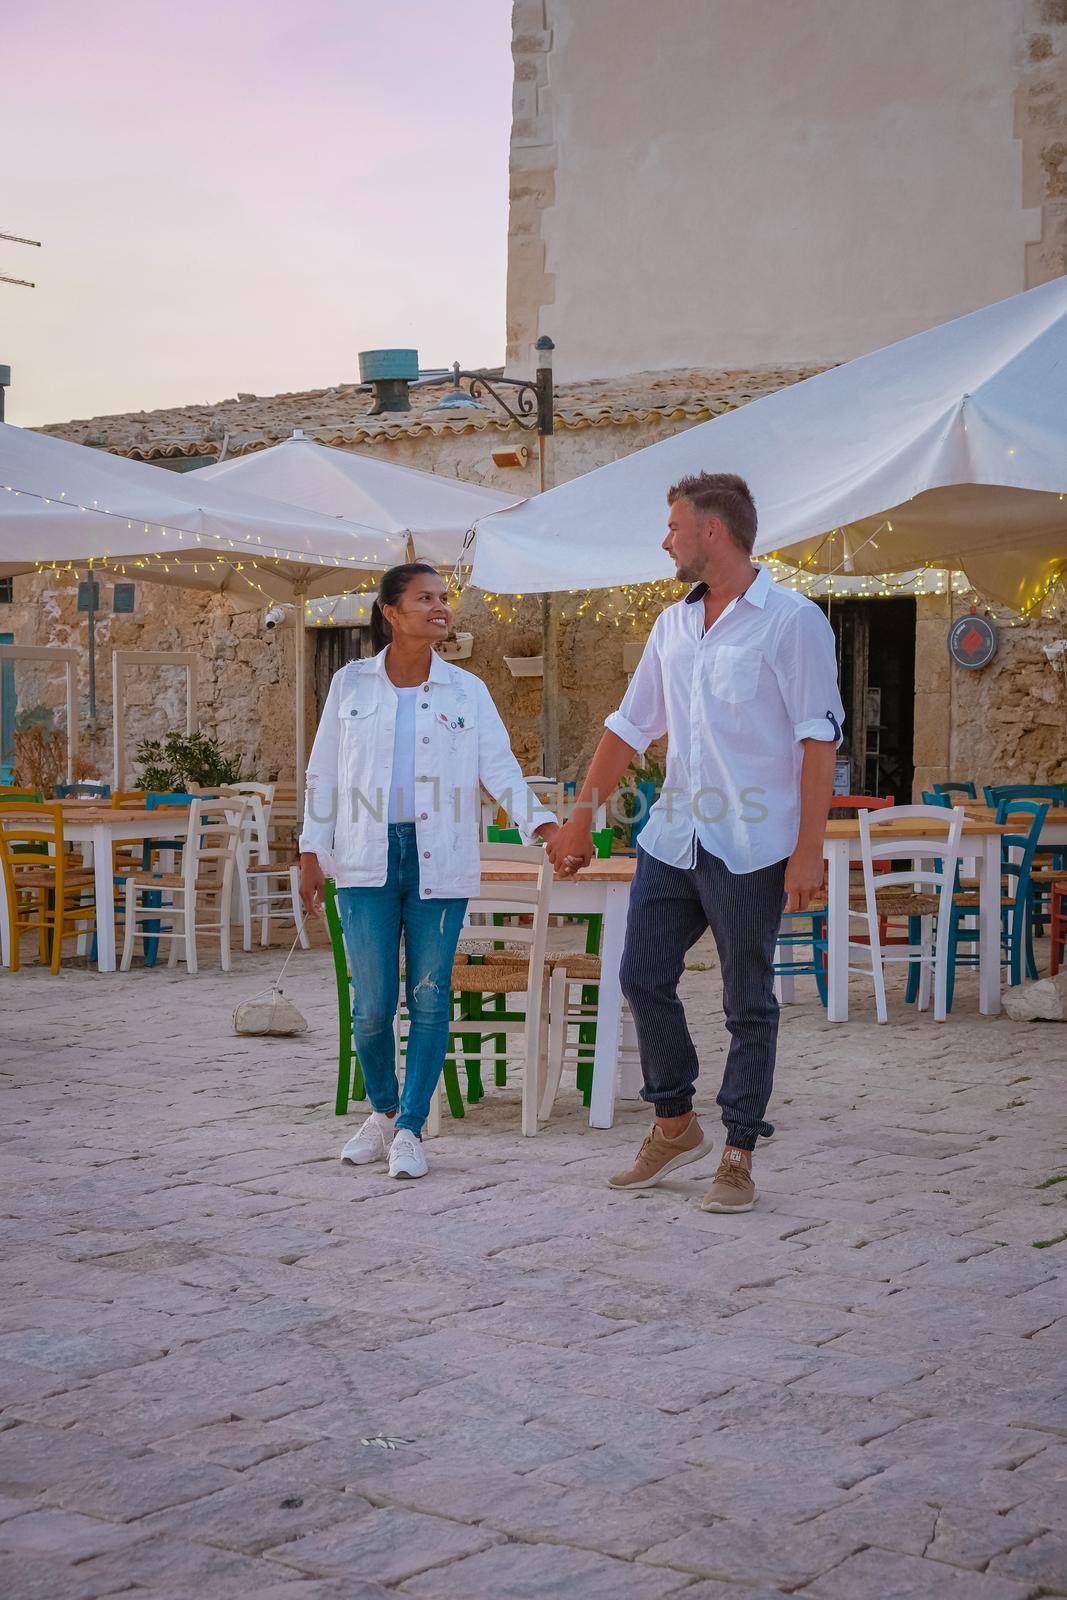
<point>635,606</point>
<point>631,606</point>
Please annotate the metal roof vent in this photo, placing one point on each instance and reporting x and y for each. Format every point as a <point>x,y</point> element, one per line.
<point>390,372</point>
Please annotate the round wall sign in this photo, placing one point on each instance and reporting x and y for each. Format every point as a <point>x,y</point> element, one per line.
<point>972,642</point>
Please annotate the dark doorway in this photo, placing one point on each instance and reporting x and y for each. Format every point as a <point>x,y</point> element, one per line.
<point>333,648</point>
<point>876,670</point>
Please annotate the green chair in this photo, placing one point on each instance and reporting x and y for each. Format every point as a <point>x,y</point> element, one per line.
<point>350,1082</point>
<point>350,1085</point>
<point>603,841</point>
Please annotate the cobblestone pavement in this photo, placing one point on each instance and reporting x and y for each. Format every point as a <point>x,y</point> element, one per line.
<point>231,1367</point>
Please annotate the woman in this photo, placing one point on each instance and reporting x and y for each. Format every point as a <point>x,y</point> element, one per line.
<point>393,815</point>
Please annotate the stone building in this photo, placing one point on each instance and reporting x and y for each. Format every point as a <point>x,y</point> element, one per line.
<point>702,210</point>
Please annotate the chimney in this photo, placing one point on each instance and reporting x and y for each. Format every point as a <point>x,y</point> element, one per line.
<point>390,372</point>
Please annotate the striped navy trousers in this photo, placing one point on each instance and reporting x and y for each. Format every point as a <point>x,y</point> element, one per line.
<point>670,907</point>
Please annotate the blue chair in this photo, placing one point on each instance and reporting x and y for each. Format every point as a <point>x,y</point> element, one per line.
<point>648,792</point>
<point>1052,856</point>
<point>1016,931</point>
<point>1053,794</point>
<point>83,791</point>
<point>154,897</point>
<point>966,789</point>
<point>793,930</point>
<point>814,940</point>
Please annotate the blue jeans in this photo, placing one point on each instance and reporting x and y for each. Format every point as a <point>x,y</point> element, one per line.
<point>373,920</point>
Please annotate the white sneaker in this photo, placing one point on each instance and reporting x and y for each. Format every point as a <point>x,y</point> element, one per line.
<point>372,1141</point>
<point>406,1159</point>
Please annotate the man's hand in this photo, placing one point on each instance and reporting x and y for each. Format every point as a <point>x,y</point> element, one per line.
<point>803,877</point>
<point>572,847</point>
<point>547,832</point>
<point>312,884</point>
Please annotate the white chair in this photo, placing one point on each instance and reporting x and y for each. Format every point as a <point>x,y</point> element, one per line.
<point>267,889</point>
<point>526,900</point>
<point>264,792</point>
<point>924,888</point>
<point>568,1012</point>
<point>208,864</point>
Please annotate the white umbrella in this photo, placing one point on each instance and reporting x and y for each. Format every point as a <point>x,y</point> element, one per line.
<point>436,511</point>
<point>64,505</point>
<point>948,449</point>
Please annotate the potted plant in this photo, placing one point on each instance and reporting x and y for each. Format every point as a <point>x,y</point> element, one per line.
<point>525,666</point>
<point>182,762</point>
<point>455,646</point>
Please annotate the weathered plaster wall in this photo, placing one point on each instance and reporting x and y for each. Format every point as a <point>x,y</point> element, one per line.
<point>1041,126</point>
<point>1004,724</point>
<point>783,180</point>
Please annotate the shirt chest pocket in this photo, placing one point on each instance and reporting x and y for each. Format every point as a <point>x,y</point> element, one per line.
<point>735,673</point>
<point>454,721</point>
<point>359,711</point>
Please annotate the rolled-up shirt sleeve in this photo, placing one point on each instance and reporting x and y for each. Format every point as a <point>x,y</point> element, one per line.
<point>642,717</point>
<point>805,664</point>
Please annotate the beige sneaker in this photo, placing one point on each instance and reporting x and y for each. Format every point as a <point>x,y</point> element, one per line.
<point>659,1156</point>
<point>733,1189</point>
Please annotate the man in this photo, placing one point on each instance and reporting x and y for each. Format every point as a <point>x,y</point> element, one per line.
<point>741,676</point>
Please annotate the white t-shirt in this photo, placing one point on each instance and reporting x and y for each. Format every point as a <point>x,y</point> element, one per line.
<point>402,781</point>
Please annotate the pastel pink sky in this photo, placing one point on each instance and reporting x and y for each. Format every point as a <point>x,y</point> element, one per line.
<point>244,195</point>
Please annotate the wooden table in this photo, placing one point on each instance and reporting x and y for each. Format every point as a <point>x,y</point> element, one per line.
<point>980,842</point>
<point>88,823</point>
<point>1053,830</point>
<point>600,889</point>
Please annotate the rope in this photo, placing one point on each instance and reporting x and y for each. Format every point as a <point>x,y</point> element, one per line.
<point>276,986</point>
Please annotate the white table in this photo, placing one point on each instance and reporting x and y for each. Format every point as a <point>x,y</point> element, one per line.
<point>980,842</point>
<point>88,824</point>
<point>601,889</point>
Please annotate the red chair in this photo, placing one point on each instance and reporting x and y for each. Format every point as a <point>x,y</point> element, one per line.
<point>1058,925</point>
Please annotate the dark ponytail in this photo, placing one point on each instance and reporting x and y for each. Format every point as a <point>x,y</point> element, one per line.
<point>392,586</point>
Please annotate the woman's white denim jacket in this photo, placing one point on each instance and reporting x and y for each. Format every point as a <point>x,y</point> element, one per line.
<point>461,745</point>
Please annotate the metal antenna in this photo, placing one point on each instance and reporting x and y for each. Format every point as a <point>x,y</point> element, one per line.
<point>16,238</point>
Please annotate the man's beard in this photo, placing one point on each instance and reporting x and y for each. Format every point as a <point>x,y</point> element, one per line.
<point>685,573</point>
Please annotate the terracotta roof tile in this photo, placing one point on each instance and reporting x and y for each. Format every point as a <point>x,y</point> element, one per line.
<point>341,416</point>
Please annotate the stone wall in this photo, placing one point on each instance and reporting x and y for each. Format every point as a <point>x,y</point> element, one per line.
<point>1041,126</point>
<point>1004,724</point>
<point>245,671</point>
<point>533,179</point>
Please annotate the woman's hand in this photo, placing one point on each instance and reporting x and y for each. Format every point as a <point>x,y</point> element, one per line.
<point>312,884</point>
<point>546,833</point>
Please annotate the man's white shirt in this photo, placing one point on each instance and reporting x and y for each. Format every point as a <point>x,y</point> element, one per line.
<point>736,702</point>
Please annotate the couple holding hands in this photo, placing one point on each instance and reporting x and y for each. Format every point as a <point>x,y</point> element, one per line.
<point>741,676</point>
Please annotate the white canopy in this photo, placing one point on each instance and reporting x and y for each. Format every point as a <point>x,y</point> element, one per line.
<point>949,448</point>
<point>437,511</point>
<point>63,503</point>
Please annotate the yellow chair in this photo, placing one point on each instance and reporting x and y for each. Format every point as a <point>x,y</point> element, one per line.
<point>44,890</point>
